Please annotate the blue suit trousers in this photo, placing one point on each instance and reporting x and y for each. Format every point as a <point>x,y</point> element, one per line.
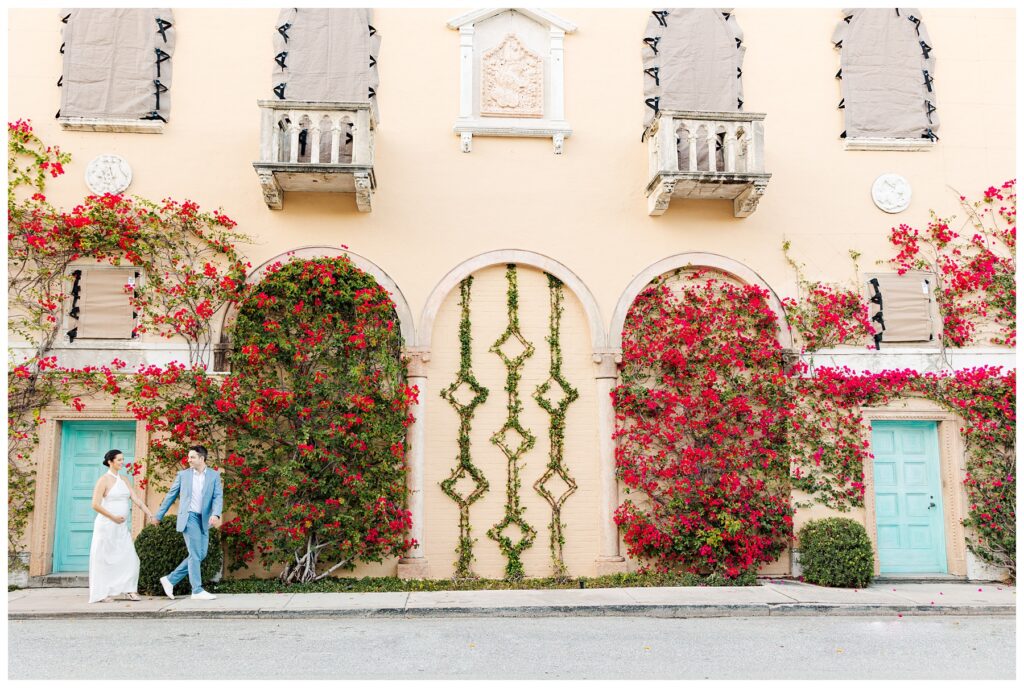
<point>197,541</point>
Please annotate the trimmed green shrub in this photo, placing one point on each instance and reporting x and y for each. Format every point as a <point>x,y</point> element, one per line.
<point>161,548</point>
<point>836,552</point>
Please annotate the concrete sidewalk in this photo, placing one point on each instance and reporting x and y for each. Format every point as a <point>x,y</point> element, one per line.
<point>771,598</point>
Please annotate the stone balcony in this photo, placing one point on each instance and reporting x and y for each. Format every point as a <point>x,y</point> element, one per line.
<point>316,146</point>
<point>678,142</point>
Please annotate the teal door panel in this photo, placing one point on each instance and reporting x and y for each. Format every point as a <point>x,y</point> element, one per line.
<point>908,497</point>
<point>83,444</point>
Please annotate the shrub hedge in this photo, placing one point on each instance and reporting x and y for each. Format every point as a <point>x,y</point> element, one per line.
<point>392,584</point>
<point>161,548</point>
<point>836,552</point>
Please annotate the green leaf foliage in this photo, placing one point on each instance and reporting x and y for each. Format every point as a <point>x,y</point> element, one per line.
<point>836,552</point>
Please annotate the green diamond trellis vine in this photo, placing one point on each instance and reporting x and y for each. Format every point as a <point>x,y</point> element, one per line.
<point>556,406</point>
<point>466,383</point>
<point>506,438</point>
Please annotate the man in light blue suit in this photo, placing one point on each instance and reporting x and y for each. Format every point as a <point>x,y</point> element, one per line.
<point>202,501</point>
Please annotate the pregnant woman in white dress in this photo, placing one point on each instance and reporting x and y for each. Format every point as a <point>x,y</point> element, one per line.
<point>113,563</point>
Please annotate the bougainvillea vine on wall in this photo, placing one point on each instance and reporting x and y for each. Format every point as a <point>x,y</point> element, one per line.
<point>976,266</point>
<point>701,414</point>
<point>309,427</point>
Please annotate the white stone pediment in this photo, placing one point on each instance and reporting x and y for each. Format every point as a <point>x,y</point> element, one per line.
<point>512,78</point>
<point>538,15</point>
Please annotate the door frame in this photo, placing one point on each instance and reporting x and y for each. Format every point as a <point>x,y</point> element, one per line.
<point>44,515</point>
<point>57,534</point>
<point>952,469</point>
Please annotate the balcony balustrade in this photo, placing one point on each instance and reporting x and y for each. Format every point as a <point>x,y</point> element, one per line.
<point>680,167</point>
<point>316,146</point>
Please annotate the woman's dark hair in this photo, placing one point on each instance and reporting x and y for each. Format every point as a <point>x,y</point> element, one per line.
<point>199,449</point>
<point>110,456</point>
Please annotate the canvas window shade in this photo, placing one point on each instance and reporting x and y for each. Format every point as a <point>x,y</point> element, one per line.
<point>117,64</point>
<point>326,55</point>
<point>104,311</point>
<point>901,307</point>
<point>887,67</point>
<point>692,60</point>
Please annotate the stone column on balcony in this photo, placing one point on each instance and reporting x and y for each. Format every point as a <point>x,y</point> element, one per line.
<point>609,560</point>
<point>281,168</point>
<point>738,176</point>
<point>414,563</point>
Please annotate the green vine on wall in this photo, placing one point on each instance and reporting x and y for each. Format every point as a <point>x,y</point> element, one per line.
<point>513,439</point>
<point>466,383</point>
<point>556,407</point>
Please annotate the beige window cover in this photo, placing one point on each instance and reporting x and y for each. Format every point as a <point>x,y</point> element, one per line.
<point>330,56</point>
<point>906,307</point>
<point>104,309</point>
<point>697,58</point>
<point>883,80</point>
<point>110,63</point>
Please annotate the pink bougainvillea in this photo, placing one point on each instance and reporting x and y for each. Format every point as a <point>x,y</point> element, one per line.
<point>716,433</point>
<point>975,263</point>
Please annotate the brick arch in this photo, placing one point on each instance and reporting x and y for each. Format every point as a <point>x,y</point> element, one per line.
<point>551,266</point>
<point>696,260</point>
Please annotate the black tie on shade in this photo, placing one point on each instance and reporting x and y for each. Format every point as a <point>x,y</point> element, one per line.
<point>162,26</point>
<point>161,57</point>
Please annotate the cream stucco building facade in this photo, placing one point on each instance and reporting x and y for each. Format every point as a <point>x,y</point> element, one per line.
<point>565,192</point>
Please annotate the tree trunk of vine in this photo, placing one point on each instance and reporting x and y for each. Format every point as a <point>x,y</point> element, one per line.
<point>303,568</point>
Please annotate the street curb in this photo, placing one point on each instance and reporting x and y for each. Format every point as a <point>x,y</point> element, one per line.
<point>668,611</point>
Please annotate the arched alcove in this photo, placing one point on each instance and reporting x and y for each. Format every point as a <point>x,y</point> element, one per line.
<point>528,340</point>
<point>402,310</point>
<point>503,257</point>
<point>713,261</point>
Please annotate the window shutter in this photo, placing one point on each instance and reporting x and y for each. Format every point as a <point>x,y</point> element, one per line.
<point>886,70</point>
<point>326,55</point>
<point>117,64</point>
<point>692,60</point>
<point>104,311</point>
<point>901,307</point>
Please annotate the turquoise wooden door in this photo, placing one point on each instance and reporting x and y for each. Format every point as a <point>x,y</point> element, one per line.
<point>83,444</point>
<point>908,497</point>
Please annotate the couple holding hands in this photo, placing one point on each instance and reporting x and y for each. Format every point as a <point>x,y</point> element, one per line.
<point>113,563</point>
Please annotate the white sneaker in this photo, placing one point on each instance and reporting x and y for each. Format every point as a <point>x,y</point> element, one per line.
<point>203,595</point>
<point>168,588</point>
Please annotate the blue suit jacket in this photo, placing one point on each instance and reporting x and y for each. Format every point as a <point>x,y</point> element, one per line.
<point>212,501</point>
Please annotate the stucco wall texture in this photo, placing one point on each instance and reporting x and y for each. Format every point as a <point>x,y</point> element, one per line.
<point>436,207</point>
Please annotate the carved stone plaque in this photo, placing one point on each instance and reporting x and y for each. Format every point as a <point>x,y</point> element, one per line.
<point>108,174</point>
<point>891,193</point>
<point>512,81</point>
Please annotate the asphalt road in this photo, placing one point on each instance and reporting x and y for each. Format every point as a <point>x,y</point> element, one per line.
<point>945,647</point>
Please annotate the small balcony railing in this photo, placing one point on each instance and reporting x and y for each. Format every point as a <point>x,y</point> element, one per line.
<point>706,155</point>
<point>316,146</point>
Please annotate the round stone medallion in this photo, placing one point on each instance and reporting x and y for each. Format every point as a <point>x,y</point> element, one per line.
<point>108,174</point>
<point>891,193</point>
